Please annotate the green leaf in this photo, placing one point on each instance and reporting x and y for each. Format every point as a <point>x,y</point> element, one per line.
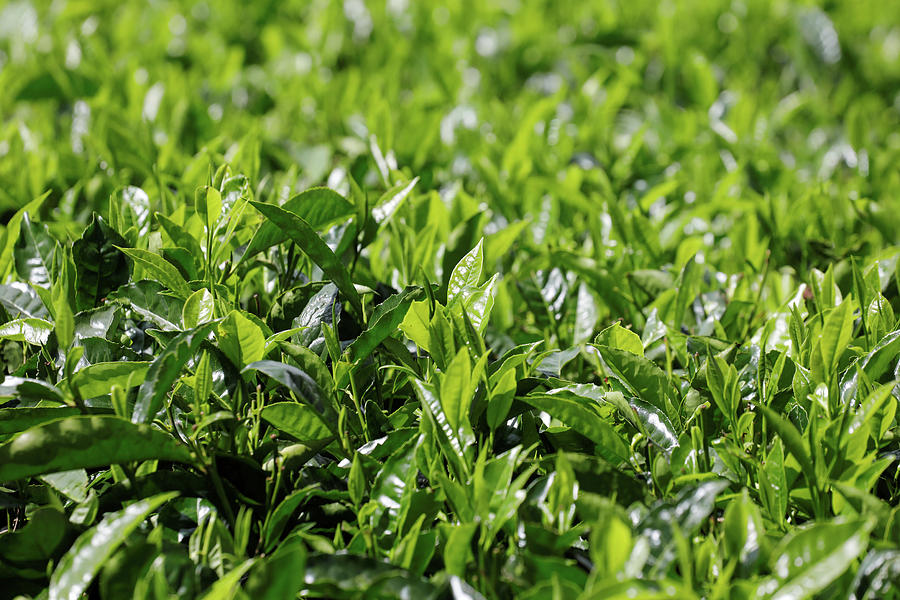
<point>743,528</point>
<point>617,337</point>
<point>391,200</point>
<point>582,416</point>
<point>455,391</point>
<point>180,237</point>
<point>208,204</point>
<point>415,324</point>
<point>476,303</point>
<point>300,421</point>
<point>33,331</point>
<point>304,386</point>
<point>100,267</point>
<point>680,516</point>
<point>447,438</point>
<point>99,378</point>
<point>441,339</point>
<point>384,321</point>
<point>13,229</point>
<point>198,309</point>
<point>395,480</point>
<point>654,423</point>
<point>640,376</point>
<point>502,395</point>
<point>356,482</point>
<point>242,341</point>
<point>160,269</point>
<point>466,273</point>
<point>14,420</point>
<point>20,300</point>
<point>279,575</point>
<point>226,588</point>
<point>457,550</point>
<point>722,380</point>
<point>83,443</point>
<point>95,546</point>
<point>39,540</point>
<point>30,390</point>
<point>792,440</point>
<point>835,337</point>
<point>34,252</point>
<point>165,369</point>
<point>62,312</point>
<point>146,298</point>
<point>306,238</point>
<point>809,559</point>
<point>319,207</point>
<point>203,378</point>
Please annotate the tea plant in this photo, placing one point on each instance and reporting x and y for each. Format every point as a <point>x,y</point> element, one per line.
<point>490,300</point>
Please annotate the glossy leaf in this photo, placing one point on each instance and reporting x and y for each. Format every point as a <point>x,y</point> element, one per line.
<point>34,252</point>
<point>161,270</point>
<point>584,418</point>
<point>811,558</point>
<point>384,321</point>
<point>617,337</point>
<point>90,551</point>
<point>100,267</point>
<point>242,340</point>
<point>99,378</point>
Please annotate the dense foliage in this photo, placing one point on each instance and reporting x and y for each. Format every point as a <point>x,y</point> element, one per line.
<point>449,300</point>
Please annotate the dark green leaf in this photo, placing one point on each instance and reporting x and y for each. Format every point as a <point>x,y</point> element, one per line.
<point>165,369</point>
<point>100,267</point>
<point>306,238</point>
<point>319,207</point>
<point>384,321</point>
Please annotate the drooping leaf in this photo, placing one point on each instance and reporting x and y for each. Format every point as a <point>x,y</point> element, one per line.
<point>161,270</point>
<point>319,207</point>
<point>306,238</point>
